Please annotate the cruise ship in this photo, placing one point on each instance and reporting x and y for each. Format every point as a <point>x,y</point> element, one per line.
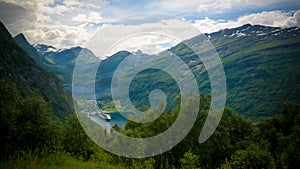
<point>101,115</point>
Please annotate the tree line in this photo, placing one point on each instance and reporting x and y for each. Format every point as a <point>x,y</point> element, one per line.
<point>32,136</point>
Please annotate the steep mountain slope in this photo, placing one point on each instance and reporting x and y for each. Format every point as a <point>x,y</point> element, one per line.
<point>261,65</point>
<point>60,62</point>
<point>32,52</point>
<point>105,72</point>
<point>30,77</point>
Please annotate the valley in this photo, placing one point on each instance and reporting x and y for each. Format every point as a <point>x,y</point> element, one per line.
<point>256,60</point>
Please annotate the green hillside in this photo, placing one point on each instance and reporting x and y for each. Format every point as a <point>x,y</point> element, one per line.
<point>59,62</point>
<point>261,65</point>
<point>16,65</point>
<point>262,68</point>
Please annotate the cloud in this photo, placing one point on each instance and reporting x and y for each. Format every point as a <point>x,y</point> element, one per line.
<point>50,21</point>
<point>93,17</point>
<point>147,43</point>
<point>68,23</point>
<point>151,37</point>
<point>29,4</point>
<point>19,13</point>
<point>272,18</point>
<point>219,6</point>
<point>213,6</point>
<point>71,2</point>
<point>56,10</point>
<point>60,36</point>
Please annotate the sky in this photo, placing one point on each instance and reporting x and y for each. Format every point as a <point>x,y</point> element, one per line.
<point>66,23</point>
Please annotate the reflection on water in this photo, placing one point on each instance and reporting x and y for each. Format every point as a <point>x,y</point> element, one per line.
<point>117,118</point>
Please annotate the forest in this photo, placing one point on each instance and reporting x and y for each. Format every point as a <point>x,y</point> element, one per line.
<point>33,137</point>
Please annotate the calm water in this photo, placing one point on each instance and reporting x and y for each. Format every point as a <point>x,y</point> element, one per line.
<point>117,118</point>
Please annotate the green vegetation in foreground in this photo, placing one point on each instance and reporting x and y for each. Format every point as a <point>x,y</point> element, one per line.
<point>55,161</point>
<point>32,138</point>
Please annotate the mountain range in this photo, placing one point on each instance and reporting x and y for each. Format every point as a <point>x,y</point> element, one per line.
<point>261,65</point>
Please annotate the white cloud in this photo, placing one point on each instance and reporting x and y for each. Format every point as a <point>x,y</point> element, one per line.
<point>272,18</point>
<point>176,5</point>
<point>220,5</point>
<point>50,22</point>
<point>212,6</point>
<point>150,37</point>
<point>93,17</point>
<point>147,43</point>
<point>72,22</point>
<point>60,36</point>
<point>58,9</point>
<point>71,2</point>
<point>91,4</point>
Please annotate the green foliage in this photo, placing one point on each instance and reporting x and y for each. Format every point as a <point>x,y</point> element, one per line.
<point>189,160</point>
<point>283,133</point>
<point>253,158</point>
<point>29,77</point>
<point>36,122</point>
<point>26,124</point>
<point>75,141</point>
<point>10,99</point>
<point>237,142</point>
<point>32,160</point>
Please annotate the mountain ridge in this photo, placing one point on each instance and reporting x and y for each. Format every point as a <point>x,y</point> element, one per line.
<point>30,78</point>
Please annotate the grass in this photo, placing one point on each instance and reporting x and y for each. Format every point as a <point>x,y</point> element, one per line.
<point>55,161</point>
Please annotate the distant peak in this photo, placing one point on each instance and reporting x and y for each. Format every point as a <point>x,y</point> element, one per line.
<point>247,25</point>
<point>20,35</point>
<point>4,32</point>
<point>21,38</point>
<point>42,48</point>
<point>123,52</point>
<point>75,48</point>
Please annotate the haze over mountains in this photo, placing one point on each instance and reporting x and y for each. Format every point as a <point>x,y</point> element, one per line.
<point>261,65</point>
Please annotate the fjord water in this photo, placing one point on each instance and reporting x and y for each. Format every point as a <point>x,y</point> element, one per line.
<point>117,118</point>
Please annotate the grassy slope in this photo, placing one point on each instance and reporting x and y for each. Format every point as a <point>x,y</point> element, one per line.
<point>55,161</point>
<point>261,74</point>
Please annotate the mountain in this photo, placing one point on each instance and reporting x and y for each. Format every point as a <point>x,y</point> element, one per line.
<point>261,64</point>
<point>29,77</point>
<point>42,48</point>
<point>33,53</point>
<point>60,62</point>
<point>105,73</point>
